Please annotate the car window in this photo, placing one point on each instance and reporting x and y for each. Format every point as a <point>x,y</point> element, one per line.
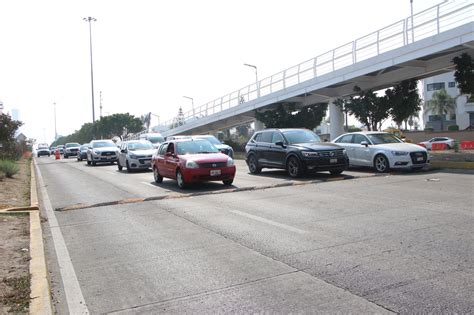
<point>195,146</point>
<point>345,139</point>
<point>301,136</point>
<point>142,145</point>
<point>163,149</point>
<point>359,138</point>
<point>257,137</point>
<point>381,138</point>
<point>170,148</point>
<point>276,136</point>
<point>211,139</point>
<point>266,137</point>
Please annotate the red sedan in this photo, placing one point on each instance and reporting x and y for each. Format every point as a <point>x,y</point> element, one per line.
<point>190,161</point>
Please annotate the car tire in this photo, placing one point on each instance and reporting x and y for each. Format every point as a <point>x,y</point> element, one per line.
<point>336,172</point>
<point>94,163</point>
<point>88,162</point>
<point>180,180</point>
<point>129,170</point>
<point>293,167</point>
<point>228,182</point>
<point>157,176</point>
<point>253,165</point>
<point>119,166</point>
<point>66,156</point>
<point>381,164</point>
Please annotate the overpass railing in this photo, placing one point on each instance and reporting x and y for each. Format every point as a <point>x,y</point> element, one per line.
<point>432,21</point>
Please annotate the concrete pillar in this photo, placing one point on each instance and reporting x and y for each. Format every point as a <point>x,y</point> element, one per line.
<point>336,117</point>
<point>258,125</point>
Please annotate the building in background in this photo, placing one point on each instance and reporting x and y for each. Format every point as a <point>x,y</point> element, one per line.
<point>463,115</point>
<point>1,107</point>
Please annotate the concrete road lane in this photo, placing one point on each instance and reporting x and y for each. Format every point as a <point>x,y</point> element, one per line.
<point>372,244</point>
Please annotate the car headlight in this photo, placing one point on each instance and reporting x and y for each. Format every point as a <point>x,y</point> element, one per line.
<point>191,164</point>
<point>95,152</point>
<point>310,154</point>
<point>344,152</point>
<point>132,156</point>
<point>230,162</point>
<point>399,153</point>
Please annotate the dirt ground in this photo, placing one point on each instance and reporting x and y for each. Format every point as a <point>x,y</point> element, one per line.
<point>14,243</point>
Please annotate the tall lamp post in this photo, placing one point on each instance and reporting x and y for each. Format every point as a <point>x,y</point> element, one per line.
<point>91,19</point>
<point>256,77</point>
<point>192,102</point>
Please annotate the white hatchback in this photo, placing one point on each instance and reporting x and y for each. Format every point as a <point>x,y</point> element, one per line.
<point>382,151</point>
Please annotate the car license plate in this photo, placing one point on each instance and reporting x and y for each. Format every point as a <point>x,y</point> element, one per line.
<point>419,158</point>
<point>332,160</point>
<point>215,172</point>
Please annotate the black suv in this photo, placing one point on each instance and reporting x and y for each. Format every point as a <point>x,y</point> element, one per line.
<point>296,150</point>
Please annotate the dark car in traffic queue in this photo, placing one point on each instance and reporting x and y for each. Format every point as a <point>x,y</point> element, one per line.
<point>191,161</point>
<point>299,151</point>
<point>82,153</point>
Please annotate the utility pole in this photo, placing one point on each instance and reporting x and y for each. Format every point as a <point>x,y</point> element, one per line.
<point>91,19</point>
<point>55,130</point>
<point>100,99</point>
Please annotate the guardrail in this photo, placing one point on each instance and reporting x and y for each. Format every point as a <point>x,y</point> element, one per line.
<point>429,22</point>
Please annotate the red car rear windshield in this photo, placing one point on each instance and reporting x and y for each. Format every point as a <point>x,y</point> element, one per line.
<point>195,146</point>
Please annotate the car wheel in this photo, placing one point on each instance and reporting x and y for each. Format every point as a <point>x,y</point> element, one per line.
<point>129,170</point>
<point>336,172</point>
<point>293,166</point>
<point>157,176</point>
<point>66,156</point>
<point>88,162</point>
<point>381,164</point>
<point>228,182</point>
<point>94,163</point>
<point>180,180</point>
<point>253,165</point>
<point>119,166</point>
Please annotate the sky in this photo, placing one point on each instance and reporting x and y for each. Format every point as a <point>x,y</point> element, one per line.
<point>148,54</point>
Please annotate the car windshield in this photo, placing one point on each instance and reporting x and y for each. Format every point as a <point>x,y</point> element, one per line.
<point>42,147</point>
<point>301,136</point>
<point>155,139</point>
<point>68,145</point>
<point>211,139</point>
<point>195,146</point>
<point>381,138</point>
<point>103,144</point>
<point>145,145</point>
<point>84,147</point>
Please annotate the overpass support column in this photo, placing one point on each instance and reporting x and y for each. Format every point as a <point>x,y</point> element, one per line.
<point>259,125</point>
<point>336,117</point>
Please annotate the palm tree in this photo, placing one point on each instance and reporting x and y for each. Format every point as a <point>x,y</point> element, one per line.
<point>441,104</point>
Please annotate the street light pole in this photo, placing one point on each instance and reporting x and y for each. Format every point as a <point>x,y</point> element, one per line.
<point>192,102</point>
<point>91,19</point>
<point>55,130</point>
<point>256,77</point>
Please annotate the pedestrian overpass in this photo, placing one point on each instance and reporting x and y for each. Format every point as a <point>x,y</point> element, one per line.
<point>416,47</point>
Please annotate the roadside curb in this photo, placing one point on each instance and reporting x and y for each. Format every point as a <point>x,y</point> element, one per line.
<point>452,164</point>
<point>40,295</point>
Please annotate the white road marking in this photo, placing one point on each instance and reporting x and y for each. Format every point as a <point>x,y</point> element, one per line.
<point>72,289</point>
<point>280,225</point>
<point>148,184</point>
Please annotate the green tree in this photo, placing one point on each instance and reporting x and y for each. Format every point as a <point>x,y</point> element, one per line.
<point>368,108</point>
<point>404,100</point>
<point>8,128</point>
<point>441,104</point>
<point>286,115</point>
<point>464,74</point>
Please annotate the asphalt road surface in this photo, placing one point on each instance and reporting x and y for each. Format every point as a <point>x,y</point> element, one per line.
<point>354,243</point>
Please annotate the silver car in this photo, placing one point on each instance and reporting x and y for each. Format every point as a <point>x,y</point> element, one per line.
<point>448,141</point>
<point>101,151</point>
<point>135,155</point>
<point>382,151</point>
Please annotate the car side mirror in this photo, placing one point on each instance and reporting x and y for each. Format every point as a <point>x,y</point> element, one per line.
<point>364,143</point>
<point>123,151</point>
<point>280,143</point>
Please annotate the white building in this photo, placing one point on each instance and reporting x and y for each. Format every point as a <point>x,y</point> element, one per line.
<point>463,116</point>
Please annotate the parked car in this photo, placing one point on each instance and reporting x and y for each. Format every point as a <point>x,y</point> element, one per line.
<point>296,150</point>
<point>43,149</point>
<point>155,138</point>
<point>135,154</point>
<point>448,141</point>
<point>382,151</point>
<point>71,149</point>
<point>190,161</point>
<point>82,154</point>
<point>224,148</point>
<point>102,151</point>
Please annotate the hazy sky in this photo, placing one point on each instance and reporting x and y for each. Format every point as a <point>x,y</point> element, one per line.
<point>149,54</point>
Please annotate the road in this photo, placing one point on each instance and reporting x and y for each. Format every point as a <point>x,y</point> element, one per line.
<point>354,243</point>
